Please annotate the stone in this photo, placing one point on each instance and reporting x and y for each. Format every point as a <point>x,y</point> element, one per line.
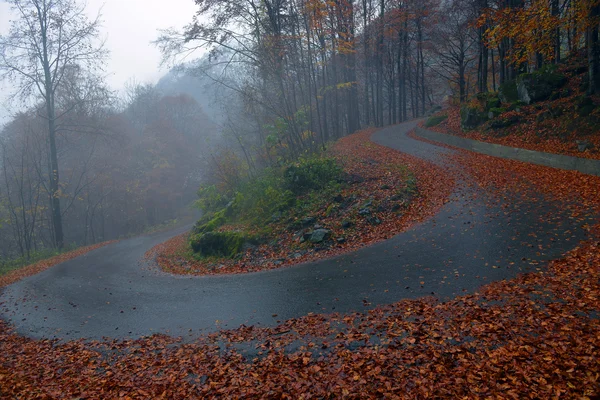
<point>341,240</point>
<point>471,117</point>
<point>320,235</point>
<point>539,85</point>
<point>298,235</point>
<point>508,92</point>
<point>347,224</point>
<point>374,220</point>
<point>308,221</point>
<point>364,211</point>
<point>582,145</point>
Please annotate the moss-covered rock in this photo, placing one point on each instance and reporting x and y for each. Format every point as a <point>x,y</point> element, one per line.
<point>218,244</point>
<point>471,117</point>
<point>585,106</point>
<point>496,111</point>
<point>210,223</point>
<point>539,85</point>
<point>507,92</point>
<point>493,101</point>
<point>435,120</point>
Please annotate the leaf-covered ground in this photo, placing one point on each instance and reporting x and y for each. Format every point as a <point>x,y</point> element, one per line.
<point>552,126</point>
<point>536,336</point>
<point>36,268</point>
<point>379,175</point>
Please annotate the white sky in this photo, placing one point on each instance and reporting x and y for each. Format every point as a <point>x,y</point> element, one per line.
<point>129,27</point>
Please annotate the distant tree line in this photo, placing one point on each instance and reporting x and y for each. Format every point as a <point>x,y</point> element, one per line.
<point>80,165</point>
<point>311,71</point>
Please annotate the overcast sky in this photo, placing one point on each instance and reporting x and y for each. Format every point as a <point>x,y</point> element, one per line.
<point>129,27</point>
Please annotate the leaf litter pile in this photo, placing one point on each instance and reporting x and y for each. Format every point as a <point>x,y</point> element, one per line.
<point>536,336</point>
<point>379,180</point>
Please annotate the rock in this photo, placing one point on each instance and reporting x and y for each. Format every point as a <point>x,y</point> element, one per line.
<point>492,102</point>
<point>297,254</point>
<point>471,117</point>
<point>298,235</point>
<point>248,246</point>
<point>341,240</point>
<point>307,235</point>
<point>539,85</point>
<point>364,211</point>
<point>347,224</point>
<point>225,244</point>
<point>385,187</point>
<point>308,221</point>
<point>368,203</point>
<point>277,262</point>
<point>582,145</point>
<point>374,220</point>
<point>319,235</point>
<point>508,92</point>
<point>585,106</point>
<point>504,122</point>
<point>318,226</point>
<point>348,201</point>
<point>396,207</point>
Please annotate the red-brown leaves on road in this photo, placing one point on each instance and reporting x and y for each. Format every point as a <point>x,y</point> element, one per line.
<point>533,337</point>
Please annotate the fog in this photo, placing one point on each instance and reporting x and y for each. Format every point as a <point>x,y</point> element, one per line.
<point>106,144</point>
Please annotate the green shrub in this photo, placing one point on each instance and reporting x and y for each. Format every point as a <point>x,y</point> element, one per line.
<point>259,198</point>
<point>211,222</point>
<point>209,199</point>
<point>218,244</point>
<point>435,120</point>
<point>312,173</point>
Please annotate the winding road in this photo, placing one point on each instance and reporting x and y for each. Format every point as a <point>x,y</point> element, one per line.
<point>112,292</point>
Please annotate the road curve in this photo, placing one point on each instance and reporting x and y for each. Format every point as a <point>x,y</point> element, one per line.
<point>112,292</point>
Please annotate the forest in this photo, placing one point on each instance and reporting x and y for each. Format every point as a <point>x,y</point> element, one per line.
<point>81,165</point>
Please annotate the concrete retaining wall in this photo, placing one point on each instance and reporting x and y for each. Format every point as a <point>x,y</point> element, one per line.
<point>583,165</point>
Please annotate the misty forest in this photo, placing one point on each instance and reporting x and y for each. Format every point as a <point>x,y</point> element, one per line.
<point>288,132</point>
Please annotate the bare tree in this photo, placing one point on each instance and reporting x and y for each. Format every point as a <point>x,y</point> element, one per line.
<point>45,42</point>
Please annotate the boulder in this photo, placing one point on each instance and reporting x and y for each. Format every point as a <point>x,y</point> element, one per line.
<point>507,92</point>
<point>539,85</point>
<point>347,224</point>
<point>219,244</point>
<point>471,117</point>
<point>320,235</point>
<point>582,145</point>
<point>308,221</point>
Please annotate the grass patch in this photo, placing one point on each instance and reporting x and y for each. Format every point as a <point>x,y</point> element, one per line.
<point>258,202</point>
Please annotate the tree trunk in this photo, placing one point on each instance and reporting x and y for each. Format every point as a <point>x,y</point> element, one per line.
<point>593,52</point>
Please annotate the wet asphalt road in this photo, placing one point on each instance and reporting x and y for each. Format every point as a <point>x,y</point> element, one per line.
<point>111,292</point>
